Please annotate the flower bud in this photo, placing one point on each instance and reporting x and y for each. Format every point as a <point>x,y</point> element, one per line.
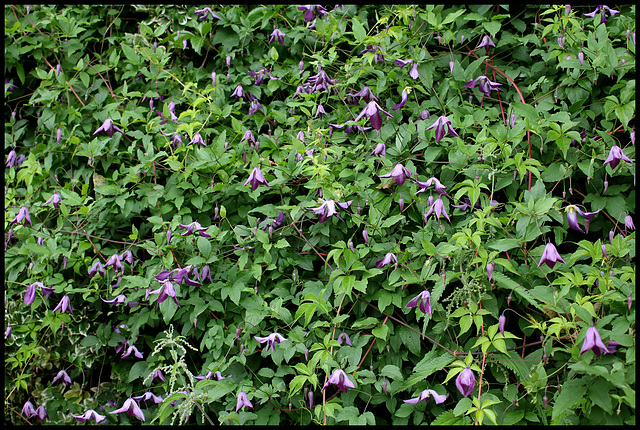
<point>213,78</point>
<point>238,332</point>
<point>509,300</point>
<point>365,235</point>
<point>306,354</point>
<point>606,185</point>
<point>501,322</point>
<point>604,250</point>
<point>629,302</point>
<point>168,237</point>
<point>310,396</point>
<point>65,260</point>
<point>351,247</point>
<point>401,203</point>
<point>384,385</point>
<point>545,400</point>
<point>228,60</point>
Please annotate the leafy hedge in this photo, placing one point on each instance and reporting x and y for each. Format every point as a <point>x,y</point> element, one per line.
<point>287,246</point>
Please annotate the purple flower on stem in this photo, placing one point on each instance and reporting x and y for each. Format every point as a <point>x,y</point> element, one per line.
<point>484,85</point>
<point>424,395</point>
<point>270,340</point>
<point>119,299</point>
<point>425,302</point>
<point>238,93</point>
<point>372,111</point>
<point>403,101</point>
<point>414,71</point>
<point>172,111</point>
<point>328,208</point>
<point>29,410</point>
<point>194,227</point>
<point>465,382</point>
<point>206,12</point>
<point>131,349</point>
<point>550,256</point>
<point>378,57</point>
<point>254,107</point>
<point>62,375</point>
<point>402,63</point>
<point>380,149</point>
<point>41,413</point>
<point>23,215</point>
<point>442,126</point>
<point>339,378</point>
<point>486,42</point>
<point>320,111</point>
<point>197,139</point>
<point>165,291</point>
<point>90,415</point>
<point>572,217</point>
<point>259,76</point>
<point>344,337</point>
<point>148,396</point>
<point>7,333</point>
<point>243,401</point>
<point>490,267</point>
<point>365,94</point>
<point>157,374</point>
<point>592,340</point>
<point>108,127</point>
<point>277,34</point>
<point>399,173</point>
<point>30,294</point>
<point>132,409</point>
<point>628,223</point>
<point>440,189</point>
<point>256,178</point>
<point>389,258</point>
<point>97,268</point>
<point>114,261</point>
<point>438,208</point>
<point>603,9</point>
<point>59,135</point>
<point>55,199</point>
<point>501,322</point>
<point>11,159</point>
<point>615,156</point>
<point>365,236</point>
<point>64,305</point>
<point>612,346</point>
<point>248,135</point>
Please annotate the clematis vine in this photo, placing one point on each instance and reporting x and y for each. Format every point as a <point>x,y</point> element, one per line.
<point>615,156</point>
<point>442,126</point>
<point>97,268</point>
<point>115,261</point>
<point>320,111</point>
<point>380,149</point>
<point>259,76</point>
<point>277,34</point>
<point>108,127</point>
<point>389,258</point>
<point>166,290</point>
<point>22,217</point>
<point>344,337</point>
<point>593,341</point>
<point>484,85</point>
<point>64,305</point>
<point>572,217</point>
<point>55,199</point>
<point>550,256</point>
<point>318,82</point>
<point>30,294</point>
<point>378,57</point>
<point>365,93</point>
<point>238,93</point>
<point>425,302</point>
<point>328,208</point>
<point>243,401</point>
<point>486,42</point>
<point>465,382</point>
<point>310,11</point>
<point>399,174</point>
<point>438,209</point>
<point>132,349</point>
<point>90,415</point>
<point>254,107</point>
<point>340,379</point>
<point>403,101</point>
<point>603,9</point>
<point>197,140</point>
<point>28,409</point>
<point>132,409</point>
<point>424,395</point>
<point>628,223</point>
<point>256,178</point>
<point>193,228</point>
<point>148,396</point>
<point>270,340</point>
<point>440,189</point>
<point>63,376</point>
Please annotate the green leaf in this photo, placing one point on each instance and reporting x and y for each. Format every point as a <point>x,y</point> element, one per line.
<point>381,332</point>
<point>572,392</point>
<point>204,246</point>
<point>492,27</point>
<point>392,372</point>
<point>358,30</point>
<point>139,370</point>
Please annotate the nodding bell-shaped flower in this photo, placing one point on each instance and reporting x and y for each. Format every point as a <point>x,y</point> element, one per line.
<point>206,12</point>
<point>131,349</point>
<point>484,85</point>
<point>365,236</point>
<point>320,111</point>
<point>486,42</point>
<point>372,111</point>
<point>550,256</point>
<point>238,93</point>
<point>256,178</point>
<point>501,322</point>
<point>64,305</point>
<point>243,401</point>
<point>592,340</point>
<point>30,294</point>
<point>399,174</point>
<point>438,209</point>
<point>328,208</point>
<point>90,415</point>
<point>389,258</point>
<point>198,140</point>
<point>466,382</point>
<point>62,375</point>
<point>132,409</point>
<point>440,189</point>
<point>424,395</point>
<point>193,228</point>
<point>425,302</point>
<point>28,409</point>
<point>309,11</point>
<point>442,126</point>
<point>108,127</point>
<point>41,413</point>
<point>97,268</point>
<point>165,291</point>
<point>270,340</point>
<point>380,149</point>
<point>340,379</point>
<point>405,95</point>
<point>572,217</point>
<point>603,9</point>
<point>55,199</point>
<point>277,34</point>
<point>254,107</point>
<point>23,216</point>
<point>366,94</point>
<point>344,337</point>
<point>615,156</point>
<point>628,223</point>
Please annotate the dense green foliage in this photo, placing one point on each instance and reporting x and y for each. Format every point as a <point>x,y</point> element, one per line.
<point>530,155</point>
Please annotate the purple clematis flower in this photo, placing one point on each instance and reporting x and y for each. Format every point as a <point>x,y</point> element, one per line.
<point>30,294</point>
<point>259,76</point>
<point>344,337</point>
<point>90,415</point>
<point>119,299</point>
<point>486,42</point>
<point>114,261</point>
<point>440,189</point>
<point>424,114</point>
<point>628,223</point>
<point>270,340</point>
<point>484,85</point>
<point>603,9</point>
<point>132,409</point>
<point>238,93</point>
<point>41,413</point>
<point>403,101</point>
<point>148,396</point>
<point>440,125</point>
<point>206,12</point>
<point>612,346</point>
<point>172,112</point>
<point>365,94</point>
<point>12,87</point>
<point>277,34</point>
<point>7,333</point>
<point>372,111</point>
<point>108,127</point>
<point>64,305</point>
<point>465,382</point>
<point>550,256</point>
<point>424,395</point>
<point>615,155</point>
<point>248,135</point>
<point>320,111</point>
<point>389,258</point>
<point>318,82</point>
<point>29,410</point>
<point>131,349</point>
<point>198,140</point>
<point>592,340</point>
<point>243,401</point>
<point>339,378</point>
<point>328,208</point>
<point>379,58</point>
<point>501,322</point>
<point>572,217</point>
<point>166,290</point>
<point>55,199</point>
<point>97,268</point>
<point>256,178</point>
<point>62,375</point>
<point>11,159</point>
<point>438,208</point>
<point>193,227</point>
<point>380,149</point>
<point>23,215</point>
<point>254,107</point>
<point>402,63</point>
<point>309,11</point>
<point>58,135</point>
<point>157,374</point>
<point>399,173</point>
<point>414,71</point>
<point>425,302</point>
<point>490,267</point>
